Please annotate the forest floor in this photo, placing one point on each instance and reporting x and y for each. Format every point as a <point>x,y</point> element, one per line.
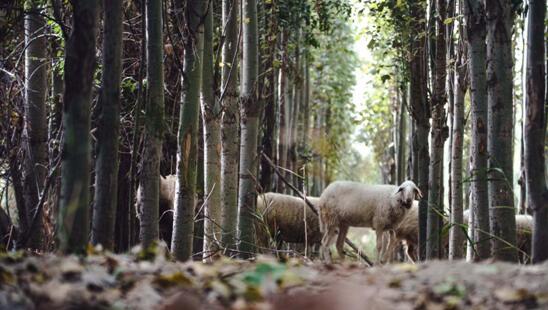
<point>150,281</point>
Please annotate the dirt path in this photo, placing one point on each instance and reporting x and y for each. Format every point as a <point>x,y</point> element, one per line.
<point>436,285</point>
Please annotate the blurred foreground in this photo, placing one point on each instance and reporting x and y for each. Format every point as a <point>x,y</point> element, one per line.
<point>149,280</point>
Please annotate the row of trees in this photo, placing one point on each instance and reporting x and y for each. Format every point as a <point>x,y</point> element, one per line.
<point>209,92</point>
<point>118,94</point>
<point>449,57</point>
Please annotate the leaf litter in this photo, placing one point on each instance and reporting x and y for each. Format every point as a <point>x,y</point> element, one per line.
<point>151,280</point>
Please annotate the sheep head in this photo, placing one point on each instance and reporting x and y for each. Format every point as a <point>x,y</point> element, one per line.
<point>406,193</point>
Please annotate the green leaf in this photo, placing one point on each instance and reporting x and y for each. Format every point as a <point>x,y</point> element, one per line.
<point>449,20</point>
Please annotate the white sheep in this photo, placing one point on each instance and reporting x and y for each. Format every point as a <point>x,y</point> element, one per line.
<point>346,204</point>
<point>283,218</point>
<point>524,233</point>
<point>524,230</point>
<point>408,230</point>
<point>166,204</point>
<point>408,233</point>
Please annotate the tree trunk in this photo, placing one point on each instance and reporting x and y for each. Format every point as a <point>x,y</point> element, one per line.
<point>471,254</point>
<point>249,124</point>
<point>140,101</point>
<point>402,135</point>
<point>475,35</point>
<point>413,152</point>
<point>108,128</point>
<point>55,126</point>
<point>16,178</point>
<point>268,139</point>
<point>283,98</point>
<point>199,218</point>
<point>535,129</point>
<point>305,122</point>
<point>421,114</point>
<point>154,126</point>
<point>185,199</point>
<point>290,105</point>
<point>449,82</point>
<point>35,131</point>
<point>268,98</point>
<point>295,114</point>
<point>438,136</point>
<point>211,112</point>
<point>229,125</point>
<point>456,232</point>
<point>73,224</point>
<point>317,174</point>
<point>500,129</point>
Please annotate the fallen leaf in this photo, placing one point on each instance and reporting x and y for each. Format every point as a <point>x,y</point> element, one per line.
<point>508,294</point>
<point>406,267</point>
<point>174,279</point>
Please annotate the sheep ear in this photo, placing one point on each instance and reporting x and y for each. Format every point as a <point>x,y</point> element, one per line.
<point>418,192</point>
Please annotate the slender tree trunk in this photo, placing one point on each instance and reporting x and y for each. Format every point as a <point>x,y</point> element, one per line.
<point>55,125</point>
<point>268,98</point>
<point>187,144</point>
<point>402,135</point>
<point>293,151</point>
<point>73,221</point>
<point>456,232</point>
<point>268,139</point>
<point>199,217</point>
<point>295,113</point>
<point>108,128</point>
<point>450,86</point>
<point>500,129</point>
<point>421,113</point>
<point>413,153</point>
<point>229,125</point>
<point>438,137</point>
<point>35,132</point>
<point>535,129</point>
<point>317,175</point>
<point>140,101</point>
<point>306,120</point>
<point>475,35</point>
<point>283,106</point>
<point>16,178</point>
<point>56,111</point>
<point>211,112</point>
<point>289,113</point>
<point>249,124</point>
<point>472,230</point>
<point>154,126</point>
<point>522,207</point>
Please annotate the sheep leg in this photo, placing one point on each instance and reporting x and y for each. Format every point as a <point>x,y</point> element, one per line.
<point>343,230</point>
<point>391,246</point>
<point>328,239</point>
<point>380,245</point>
<point>410,252</point>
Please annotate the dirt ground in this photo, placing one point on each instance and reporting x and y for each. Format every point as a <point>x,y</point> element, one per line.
<point>145,280</point>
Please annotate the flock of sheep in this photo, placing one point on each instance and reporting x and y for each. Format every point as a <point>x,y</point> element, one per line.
<point>390,210</point>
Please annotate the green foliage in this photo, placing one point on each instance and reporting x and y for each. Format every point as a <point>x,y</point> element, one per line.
<point>359,167</point>
<point>332,70</point>
<point>388,35</point>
